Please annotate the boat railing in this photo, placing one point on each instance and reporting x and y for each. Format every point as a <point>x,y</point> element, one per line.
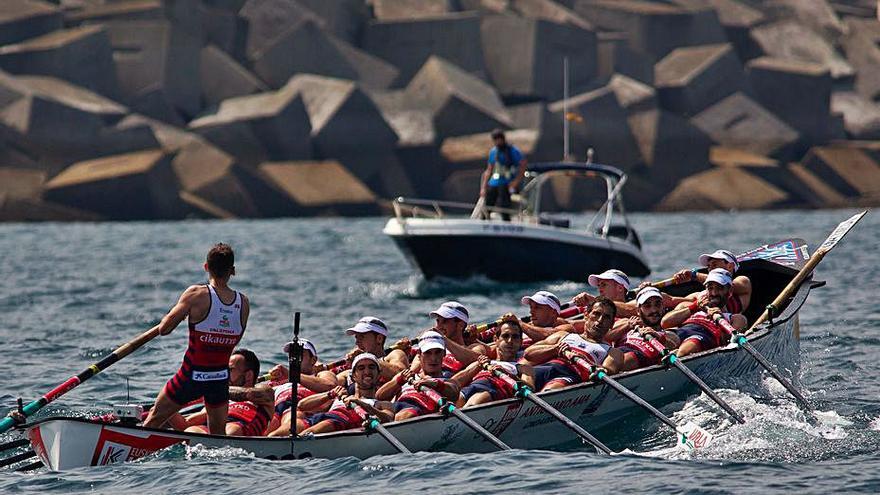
<point>435,208</point>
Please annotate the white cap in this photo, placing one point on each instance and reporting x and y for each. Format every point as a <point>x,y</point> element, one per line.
<point>615,275</point>
<point>369,324</point>
<point>543,297</point>
<point>720,276</point>
<point>647,293</point>
<point>307,345</point>
<point>721,254</point>
<point>431,340</point>
<point>361,357</point>
<point>452,309</point>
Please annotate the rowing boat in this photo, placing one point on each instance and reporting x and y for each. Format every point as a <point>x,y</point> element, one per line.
<point>64,443</point>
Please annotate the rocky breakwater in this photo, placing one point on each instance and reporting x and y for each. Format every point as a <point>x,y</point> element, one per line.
<point>148,109</point>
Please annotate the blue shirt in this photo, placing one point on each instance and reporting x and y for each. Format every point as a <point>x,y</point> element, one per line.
<point>504,165</point>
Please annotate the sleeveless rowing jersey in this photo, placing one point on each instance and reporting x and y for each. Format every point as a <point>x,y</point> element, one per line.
<point>282,396</point>
<point>635,341</point>
<point>253,418</point>
<point>504,387</point>
<point>348,417</point>
<point>212,340</point>
<point>409,393</point>
<point>702,319</point>
<point>593,352</point>
<point>451,363</point>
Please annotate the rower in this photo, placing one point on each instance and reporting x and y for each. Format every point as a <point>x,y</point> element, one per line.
<point>450,320</point>
<point>556,370</point>
<point>370,334</point>
<point>696,328</point>
<point>478,381</point>
<point>347,411</point>
<point>311,381</point>
<point>409,400</point>
<point>741,287</point>
<point>637,350</point>
<point>251,406</point>
<point>215,328</point>
<point>544,308</point>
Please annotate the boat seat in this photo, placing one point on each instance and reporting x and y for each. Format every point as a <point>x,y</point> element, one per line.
<point>558,222</point>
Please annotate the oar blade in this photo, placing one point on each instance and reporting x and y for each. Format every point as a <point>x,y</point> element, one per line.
<point>693,437</point>
<point>841,231</point>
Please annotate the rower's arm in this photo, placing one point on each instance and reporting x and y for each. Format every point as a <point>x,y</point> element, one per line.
<point>180,310</point>
<point>618,330</point>
<point>466,376</point>
<point>257,395</point>
<point>742,288</point>
<point>391,388</point>
<point>613,361</point>
<point>395,362</point>
<point>625,309</point>
<point>527,374</point>
<point>537,333</point>
<point>449,389</point>
<point>321,382</point>
<point>384,414</point>
<point>315,402</point>
<point>543,351</point>
<point>464,355</point>
<point>678,315</point>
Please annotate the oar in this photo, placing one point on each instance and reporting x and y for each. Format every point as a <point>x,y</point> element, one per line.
<point>72,382</point>
<point>294,364</point>
<point>842,229</point>
<point>373,424</point>
<point>743,342</point>
<point>672,359</point>
<point>485,331</point>
<point>341,361</point>
<point>691,436</point>
<point>524,391</point>
<point>449,408</point>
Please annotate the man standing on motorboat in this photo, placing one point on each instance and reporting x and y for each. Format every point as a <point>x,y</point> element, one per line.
<point>503,175</point>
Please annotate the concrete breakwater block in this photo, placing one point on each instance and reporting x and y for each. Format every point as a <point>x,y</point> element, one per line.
<point>799,93</point>
<point>408,44</point>
<point>723,188</point>
<point>125,10</point>
<point>632,95</point>
<point>788,39</point>
<point>818,15</point>
<point>540,46</point>
<point>599,122</point>
<point>222,77</point>
<point>276,119</point>
<point>863,52</point>
<point>345,19</point>
<point>861,117</point>
<point>549,10</point>
<point>23,19</point>
<point>653,28</point>
<point>306,48</point>
<point>393,10</point>
<point>690,79</point>
<point>321,188</point>
<point>269,19</point>
<point>227,31</point>
<point>79,55</point>
<point>21,183</point>
<point>672,148</point>
<point>161,58</point>
<point>459,102</point>
<point>739,122</point>
<point>615,56</point>
<point>133,186</point>
<point>738,18</point>
<point>850,171</point>
<point>344,121</point>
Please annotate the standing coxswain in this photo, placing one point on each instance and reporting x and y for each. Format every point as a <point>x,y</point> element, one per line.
<point>217,318</point>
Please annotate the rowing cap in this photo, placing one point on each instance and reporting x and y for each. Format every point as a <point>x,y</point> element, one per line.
<point>543,297</point>
<point>431,340</point>
<point>307,345</point>
<point>720,276</point>
<point>721,254</point>
<point>647,293</point>
<point>362,356</point>
<point>615,275</point>
<point>451,309</point>
<point>369,324</point>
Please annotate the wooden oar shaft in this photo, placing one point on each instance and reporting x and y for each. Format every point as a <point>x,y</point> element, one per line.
<point>744,343</point>
<point>74,381</point>
<point>375,425</point>
<point>705,388</point>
